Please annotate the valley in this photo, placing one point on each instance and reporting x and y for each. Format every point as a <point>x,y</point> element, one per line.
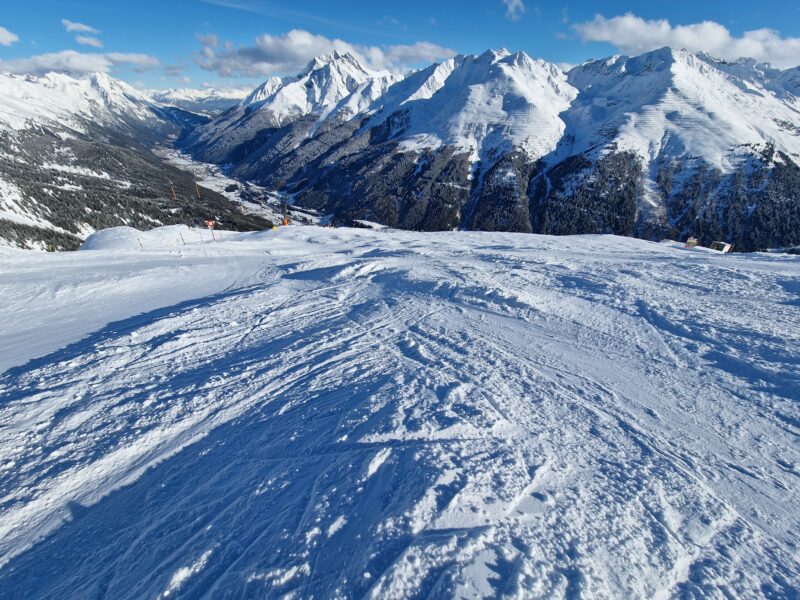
<point>665,145</point>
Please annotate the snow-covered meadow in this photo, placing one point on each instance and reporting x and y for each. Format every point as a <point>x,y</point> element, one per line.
<point>350,413</point>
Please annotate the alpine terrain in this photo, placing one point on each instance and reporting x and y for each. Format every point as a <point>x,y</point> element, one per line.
<point>76,156</point>
<point>342,413</point>
<point>666,144</point>
<point>363,330</point>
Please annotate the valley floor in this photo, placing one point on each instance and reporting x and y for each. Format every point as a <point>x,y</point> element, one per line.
<point>344,413</point>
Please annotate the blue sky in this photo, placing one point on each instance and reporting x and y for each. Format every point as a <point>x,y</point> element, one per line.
<point>170,43</point>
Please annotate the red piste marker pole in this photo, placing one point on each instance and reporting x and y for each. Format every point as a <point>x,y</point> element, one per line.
<point>210,224</point>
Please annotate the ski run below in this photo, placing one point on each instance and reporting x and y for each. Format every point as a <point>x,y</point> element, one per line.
<point>338,413</point>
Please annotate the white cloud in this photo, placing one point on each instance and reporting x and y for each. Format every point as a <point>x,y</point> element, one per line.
<point>211,39</point>
<point>73,27</point>
<point>87,40</point>
<point>290,52</point>
<point>173,70</point>
<point>634,35</point>
<point>7,38</point>
<point>514,9</point>
<point>78,63</point>
<point>413,54</point>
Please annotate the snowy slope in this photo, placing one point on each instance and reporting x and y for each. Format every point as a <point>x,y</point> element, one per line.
<point>335,86</point>
<point>345,413</point>
<point>784,83</point>
<point>671,103</point>
<point>483,105</point>
<point>62,100</point>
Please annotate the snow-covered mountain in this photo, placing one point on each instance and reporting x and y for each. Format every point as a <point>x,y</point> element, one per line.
<point>207,101</point>
<point>57,100</point>
<point>75,157</point>
<point>483,105</point>
<point>332,87</point>
<point>671,103</point>
<point>411,155</point>
<point>673,144</point>
<point>664,144</point>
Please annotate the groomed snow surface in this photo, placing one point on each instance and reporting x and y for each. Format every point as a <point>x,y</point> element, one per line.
<point>350,413</point>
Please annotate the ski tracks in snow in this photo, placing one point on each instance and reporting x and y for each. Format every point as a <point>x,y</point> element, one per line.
<point>389,414</point>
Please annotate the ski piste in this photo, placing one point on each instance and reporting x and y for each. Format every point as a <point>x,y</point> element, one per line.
<point>376,413</point>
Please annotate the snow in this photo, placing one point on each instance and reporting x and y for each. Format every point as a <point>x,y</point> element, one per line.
<point>183,574</point>
<point>673,103</point>
<point>481,104</point>
<point>59,99</point>
<point>375,413</point>
<point>73,170</point>
<point>128,238</point>
<point>206,100</point>
<point>336,526</point>
<point>335,85</point>
<point>102,288</point>
<point>376,463</point>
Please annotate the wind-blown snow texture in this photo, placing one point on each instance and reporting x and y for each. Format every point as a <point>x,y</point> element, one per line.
<point>343,413</point>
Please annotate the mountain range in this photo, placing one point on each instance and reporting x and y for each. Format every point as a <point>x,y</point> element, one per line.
<point>668,144</point>
<point>76,155</point>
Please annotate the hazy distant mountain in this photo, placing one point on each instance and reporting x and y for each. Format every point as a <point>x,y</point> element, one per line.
<point>207,101</point>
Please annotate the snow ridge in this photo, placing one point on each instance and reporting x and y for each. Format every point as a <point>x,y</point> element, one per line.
<point>672,103</point>
<point>70,102</point>
<point>483,105</point>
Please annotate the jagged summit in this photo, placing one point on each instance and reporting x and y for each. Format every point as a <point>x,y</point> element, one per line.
<point>333,86</point>
<point>481,104</point>
<point>336,60</point>
<point>325,81</point>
